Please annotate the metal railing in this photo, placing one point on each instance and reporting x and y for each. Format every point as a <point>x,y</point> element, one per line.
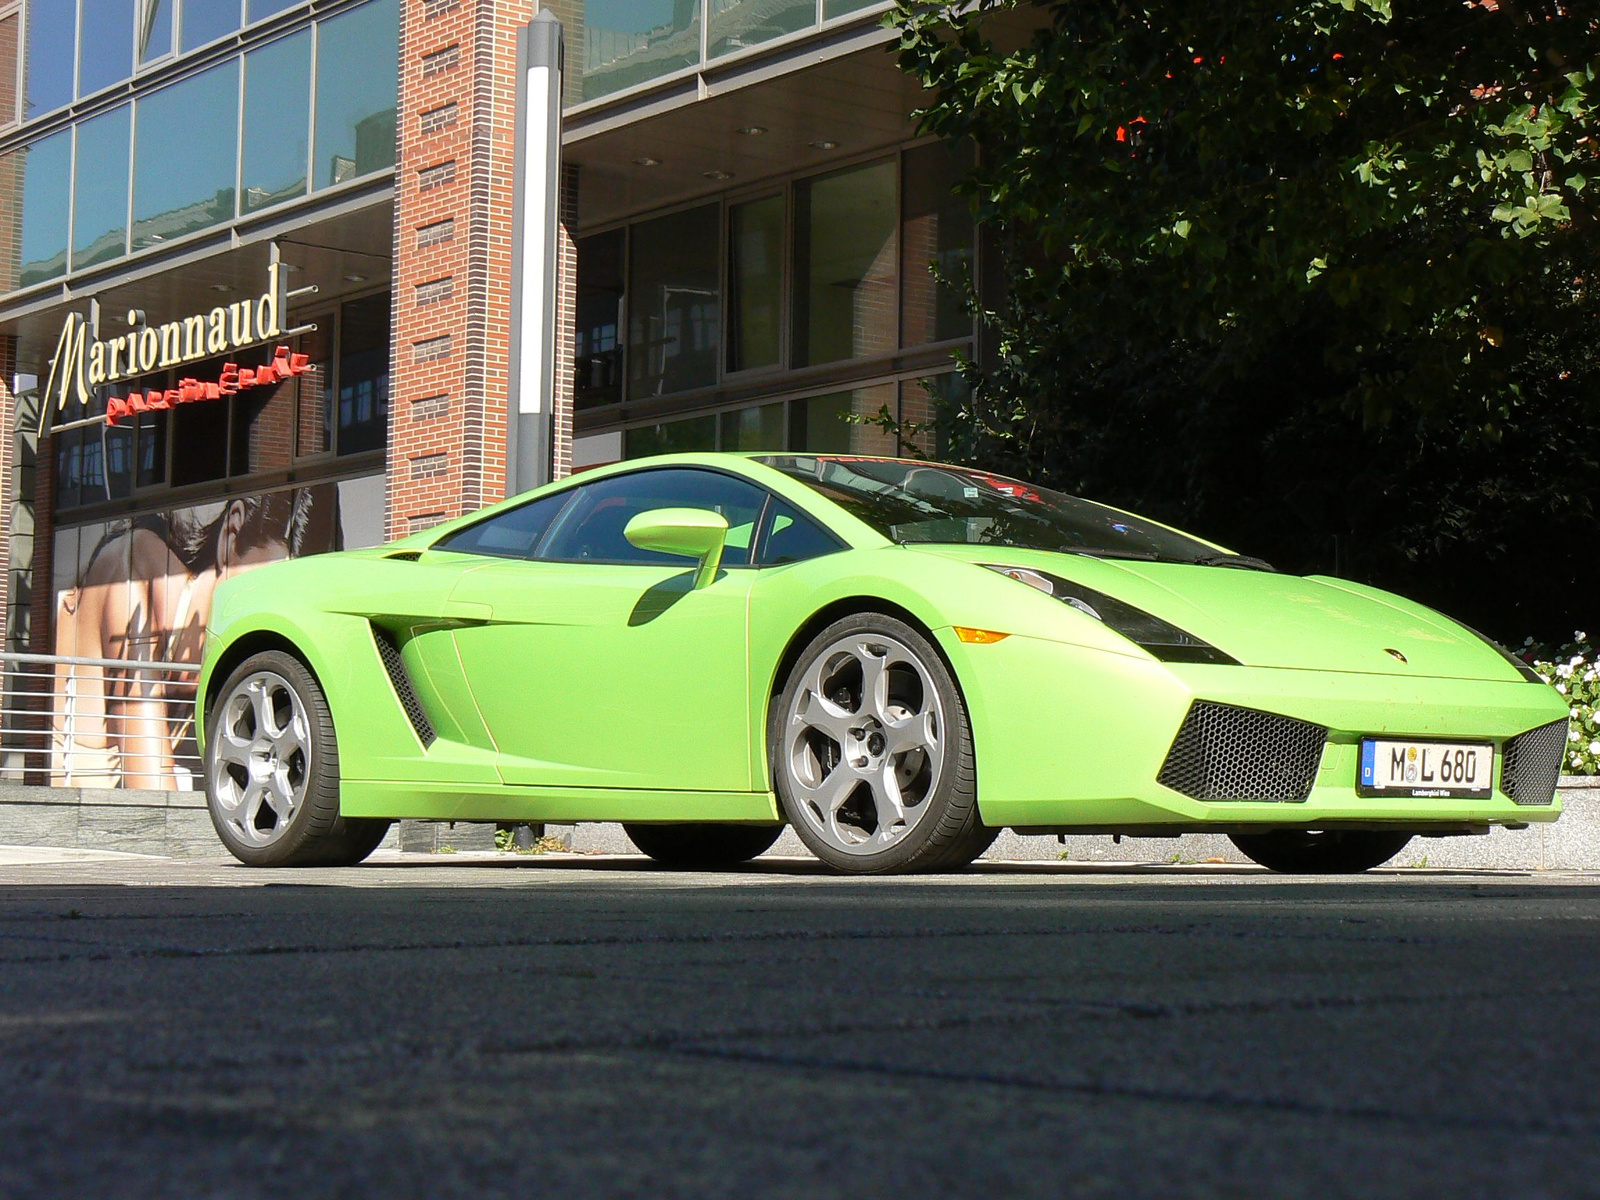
<point>98,722</point>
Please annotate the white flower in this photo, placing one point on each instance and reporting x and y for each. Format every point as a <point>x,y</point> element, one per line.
<point>1572,735</point>
<point>1562,688</point>
<point>1579,635</point>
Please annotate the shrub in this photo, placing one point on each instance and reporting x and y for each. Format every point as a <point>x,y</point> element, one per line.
<point>1574,670</point>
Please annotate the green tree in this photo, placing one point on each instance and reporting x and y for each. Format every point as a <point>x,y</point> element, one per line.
<point>1314,277</point>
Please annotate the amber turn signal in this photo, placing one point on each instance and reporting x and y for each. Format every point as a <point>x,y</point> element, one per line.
<point>981,637</point>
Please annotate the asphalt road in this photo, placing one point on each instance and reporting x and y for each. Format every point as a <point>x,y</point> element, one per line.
<point>596,1027</point>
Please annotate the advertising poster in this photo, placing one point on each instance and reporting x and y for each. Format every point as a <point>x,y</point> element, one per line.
<point>139,590</point>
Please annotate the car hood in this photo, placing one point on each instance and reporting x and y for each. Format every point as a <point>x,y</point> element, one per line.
<point>1271,620</point>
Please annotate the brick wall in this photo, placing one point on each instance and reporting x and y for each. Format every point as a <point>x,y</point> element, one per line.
<point>452,284</point>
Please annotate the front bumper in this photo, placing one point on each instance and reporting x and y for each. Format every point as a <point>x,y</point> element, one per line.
<point>1071,738</point>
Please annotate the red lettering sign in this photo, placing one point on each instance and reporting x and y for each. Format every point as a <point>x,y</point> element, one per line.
<point>283,365</point>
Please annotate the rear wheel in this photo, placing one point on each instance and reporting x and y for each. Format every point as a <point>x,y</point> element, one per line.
<point>272,771</point>
<point>703,847</point>
<point>871,752</point>
<point>1321,852</point>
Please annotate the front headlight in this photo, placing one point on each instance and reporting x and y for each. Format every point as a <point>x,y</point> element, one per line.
<point>1159,638</point>
<point>1523,668</point>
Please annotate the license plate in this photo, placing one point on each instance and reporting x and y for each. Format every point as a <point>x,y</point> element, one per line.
<point>1426,770</point>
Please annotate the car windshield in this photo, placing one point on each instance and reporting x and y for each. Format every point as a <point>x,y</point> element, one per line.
<point>910,501</point>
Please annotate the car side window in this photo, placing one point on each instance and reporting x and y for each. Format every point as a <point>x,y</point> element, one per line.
<point>514,533</point>
<point>789,536</point>
<point>591,529</point>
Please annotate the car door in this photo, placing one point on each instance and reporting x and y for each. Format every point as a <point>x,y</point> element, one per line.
<point>597,664</point>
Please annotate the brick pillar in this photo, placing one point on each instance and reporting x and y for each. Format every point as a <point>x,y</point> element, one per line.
<point>452,279</point>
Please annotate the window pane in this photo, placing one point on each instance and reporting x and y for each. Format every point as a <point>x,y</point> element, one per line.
<point>118,455</point>
<point>512,534</point>
<point>152,465</point>
<point>671,437</point>
<point>759,428</point>
<point>52,50</point>
<point>937,235</point>
<point>200,435</point>
<point>598,356</point>
<point>315,435</point>
<point>155,29</point>
<point>207,20</point>
<point>755,279</point>
<point>186,145</point>
<point>626,42</point>
<point>100,189</point>
<point>10,32</point>
<point>263,420</point>
<point>736,24</point>
<point>260,10</point>
<point>277,119</point>
<point>358,57</point>
<point>833,424</point>
<point>673,303</point>
<point>105,52</point>
<point>845,294</point>
<point>590,529</point>
<point>838,8</point>
<point>923,404</point>
<point>791,536</point>
<point>44,167</point>
<point>364,375</point>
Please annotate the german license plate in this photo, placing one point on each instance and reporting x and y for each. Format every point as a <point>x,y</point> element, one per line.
<point>1426,770</point>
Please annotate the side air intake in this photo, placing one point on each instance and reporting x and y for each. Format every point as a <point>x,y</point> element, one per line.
<point>389,651</point>
<point>1223,752</point>
<point>1532,764</point>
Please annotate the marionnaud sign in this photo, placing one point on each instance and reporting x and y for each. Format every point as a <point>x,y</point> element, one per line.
<point>84,361</point>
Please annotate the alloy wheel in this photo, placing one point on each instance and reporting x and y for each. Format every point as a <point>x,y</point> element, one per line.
<point>259,771</point>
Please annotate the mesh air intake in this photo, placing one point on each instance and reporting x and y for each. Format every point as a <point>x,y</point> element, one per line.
<point>389,652</point>
<point>1532,764</point>
<point>1223,752</point>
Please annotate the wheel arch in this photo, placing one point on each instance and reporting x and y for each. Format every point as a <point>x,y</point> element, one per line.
<point>254,642</point>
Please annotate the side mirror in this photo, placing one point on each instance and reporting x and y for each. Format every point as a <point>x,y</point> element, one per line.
<point>692,532</point>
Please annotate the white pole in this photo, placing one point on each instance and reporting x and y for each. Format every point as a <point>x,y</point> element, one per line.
<point>535,242</point>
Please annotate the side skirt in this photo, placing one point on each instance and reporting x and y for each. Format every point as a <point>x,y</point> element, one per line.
<point>507,802</point>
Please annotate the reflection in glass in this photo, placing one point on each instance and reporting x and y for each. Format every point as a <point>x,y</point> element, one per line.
<point>358,57</point>
<point>925,405</point>
<point>152,450</point>
<point>263,421</point>
<point>755,283</point>
<point>52,51</point>
<point>277,119</point>
<point>758,428</point>
<point>117,450</point>
<point>673,302</point>
<point>627,42</point>
<point>207,20</point>
<point>845,226</point>
<point>735,24</point>
<point>100,189</point>
<point>186,143</point>
<point>671,437</point>
<point>364,375</point>
<point>260,10</point>
<point>315,435</point>
<point>937,236</point>
<point>155,29</point>
<point>837,423</point>
<point>838,8</point>
<point>45,167</point>
<point>597,358</point>
<point>105,52</point>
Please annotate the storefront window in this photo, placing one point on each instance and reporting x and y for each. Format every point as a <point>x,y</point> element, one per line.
<point>755,283</point>
<point>277,116</point>
<point>155,29</point>
<point>314,434</point>
<point>673,303</point>
<point>735,24</point>
<point>758,428</point>
<point>150,467</point>
<point>363,375</point>
<point>105,52</point>
<point>52,51</point>
<point>838,423</point>
<point>845,226</point>
<point>598,351</point>
<point>45,168</point>
<point>100,189</point>
<point>356,92</point>
<point>186,141</point>
<point>627,42</point>
<point>200,435</point>
<point>207,20</point>
<point>671,437</point>
<point>937,237</point>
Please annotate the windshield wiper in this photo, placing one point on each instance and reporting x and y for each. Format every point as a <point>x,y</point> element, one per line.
<point>1243,562</point>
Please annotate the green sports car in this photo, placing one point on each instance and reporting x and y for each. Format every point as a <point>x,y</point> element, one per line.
<point>894,657</point>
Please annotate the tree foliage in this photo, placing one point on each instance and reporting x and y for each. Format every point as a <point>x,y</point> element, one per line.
<point>1316,277</point>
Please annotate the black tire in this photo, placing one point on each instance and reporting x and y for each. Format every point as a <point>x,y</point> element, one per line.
<point>947,832</point>
<point>313,834</point>
<point>703,847</point>
<point>1321,852</point>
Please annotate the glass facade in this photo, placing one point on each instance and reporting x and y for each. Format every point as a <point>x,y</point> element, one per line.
<point>846,226</point>
<point>755,283</point>
<point>674,303</point>
<point>329,86</point>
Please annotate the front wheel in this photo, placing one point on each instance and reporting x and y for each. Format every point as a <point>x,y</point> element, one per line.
<point>1321,852</point>
<point>702,847</point>
<point>272,770</point>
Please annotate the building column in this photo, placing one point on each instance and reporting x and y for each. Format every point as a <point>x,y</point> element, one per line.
<point>452,273</point>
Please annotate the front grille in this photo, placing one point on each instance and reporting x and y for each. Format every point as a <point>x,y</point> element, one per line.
<point>398,676</point>
<point>1223,752</point>
<point>1532,764</point>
